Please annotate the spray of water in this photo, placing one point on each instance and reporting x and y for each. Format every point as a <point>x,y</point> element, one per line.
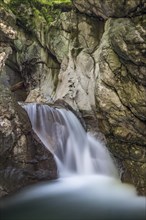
<point>75,151</point>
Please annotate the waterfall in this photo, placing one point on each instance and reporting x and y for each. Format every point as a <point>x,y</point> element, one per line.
<point>75,151</point>
<point>88,187</point>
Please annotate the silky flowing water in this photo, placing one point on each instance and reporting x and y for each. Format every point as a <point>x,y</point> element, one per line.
<point>75,151</point>
<point>88,186</point>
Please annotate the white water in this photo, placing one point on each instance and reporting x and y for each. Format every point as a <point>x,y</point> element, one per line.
<point>75,151</point>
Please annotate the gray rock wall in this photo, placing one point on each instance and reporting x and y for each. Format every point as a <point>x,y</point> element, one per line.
<point>23,158</point>
<point>121,106</point>
<point>110,8</point>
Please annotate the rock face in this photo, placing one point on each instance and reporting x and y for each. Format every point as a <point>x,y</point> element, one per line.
<point>121,96</point>
<point>94,58</point>
<point>23,159</point>
<point>109,8</point>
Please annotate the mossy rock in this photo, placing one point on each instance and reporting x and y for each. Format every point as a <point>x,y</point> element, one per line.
<point>31,12</point>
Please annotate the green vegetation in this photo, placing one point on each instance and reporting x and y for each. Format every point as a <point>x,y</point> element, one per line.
<point>30,12</point>
<point>51,2</point>
<point>47,2</point>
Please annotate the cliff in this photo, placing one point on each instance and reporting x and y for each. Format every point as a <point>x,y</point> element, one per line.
<point>91,54</point>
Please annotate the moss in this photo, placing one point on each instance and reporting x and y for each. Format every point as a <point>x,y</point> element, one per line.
<point>30,12</point>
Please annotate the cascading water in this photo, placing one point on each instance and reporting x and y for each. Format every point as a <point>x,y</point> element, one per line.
<point>83,194</point>
<point>75,151</point>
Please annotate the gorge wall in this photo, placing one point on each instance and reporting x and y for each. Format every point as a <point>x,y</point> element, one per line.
<point>92,55</point>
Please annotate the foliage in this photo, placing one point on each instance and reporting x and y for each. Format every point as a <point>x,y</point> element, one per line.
<point>28,12</point>
<point>47,2</point>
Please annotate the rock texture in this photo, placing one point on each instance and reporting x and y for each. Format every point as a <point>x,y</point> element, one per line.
<point>23,159</point>
<point>107,82</point>
<point>109,8</point>
<point>121,98</point>
<point>76,79</point>
<point>94,58</point>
